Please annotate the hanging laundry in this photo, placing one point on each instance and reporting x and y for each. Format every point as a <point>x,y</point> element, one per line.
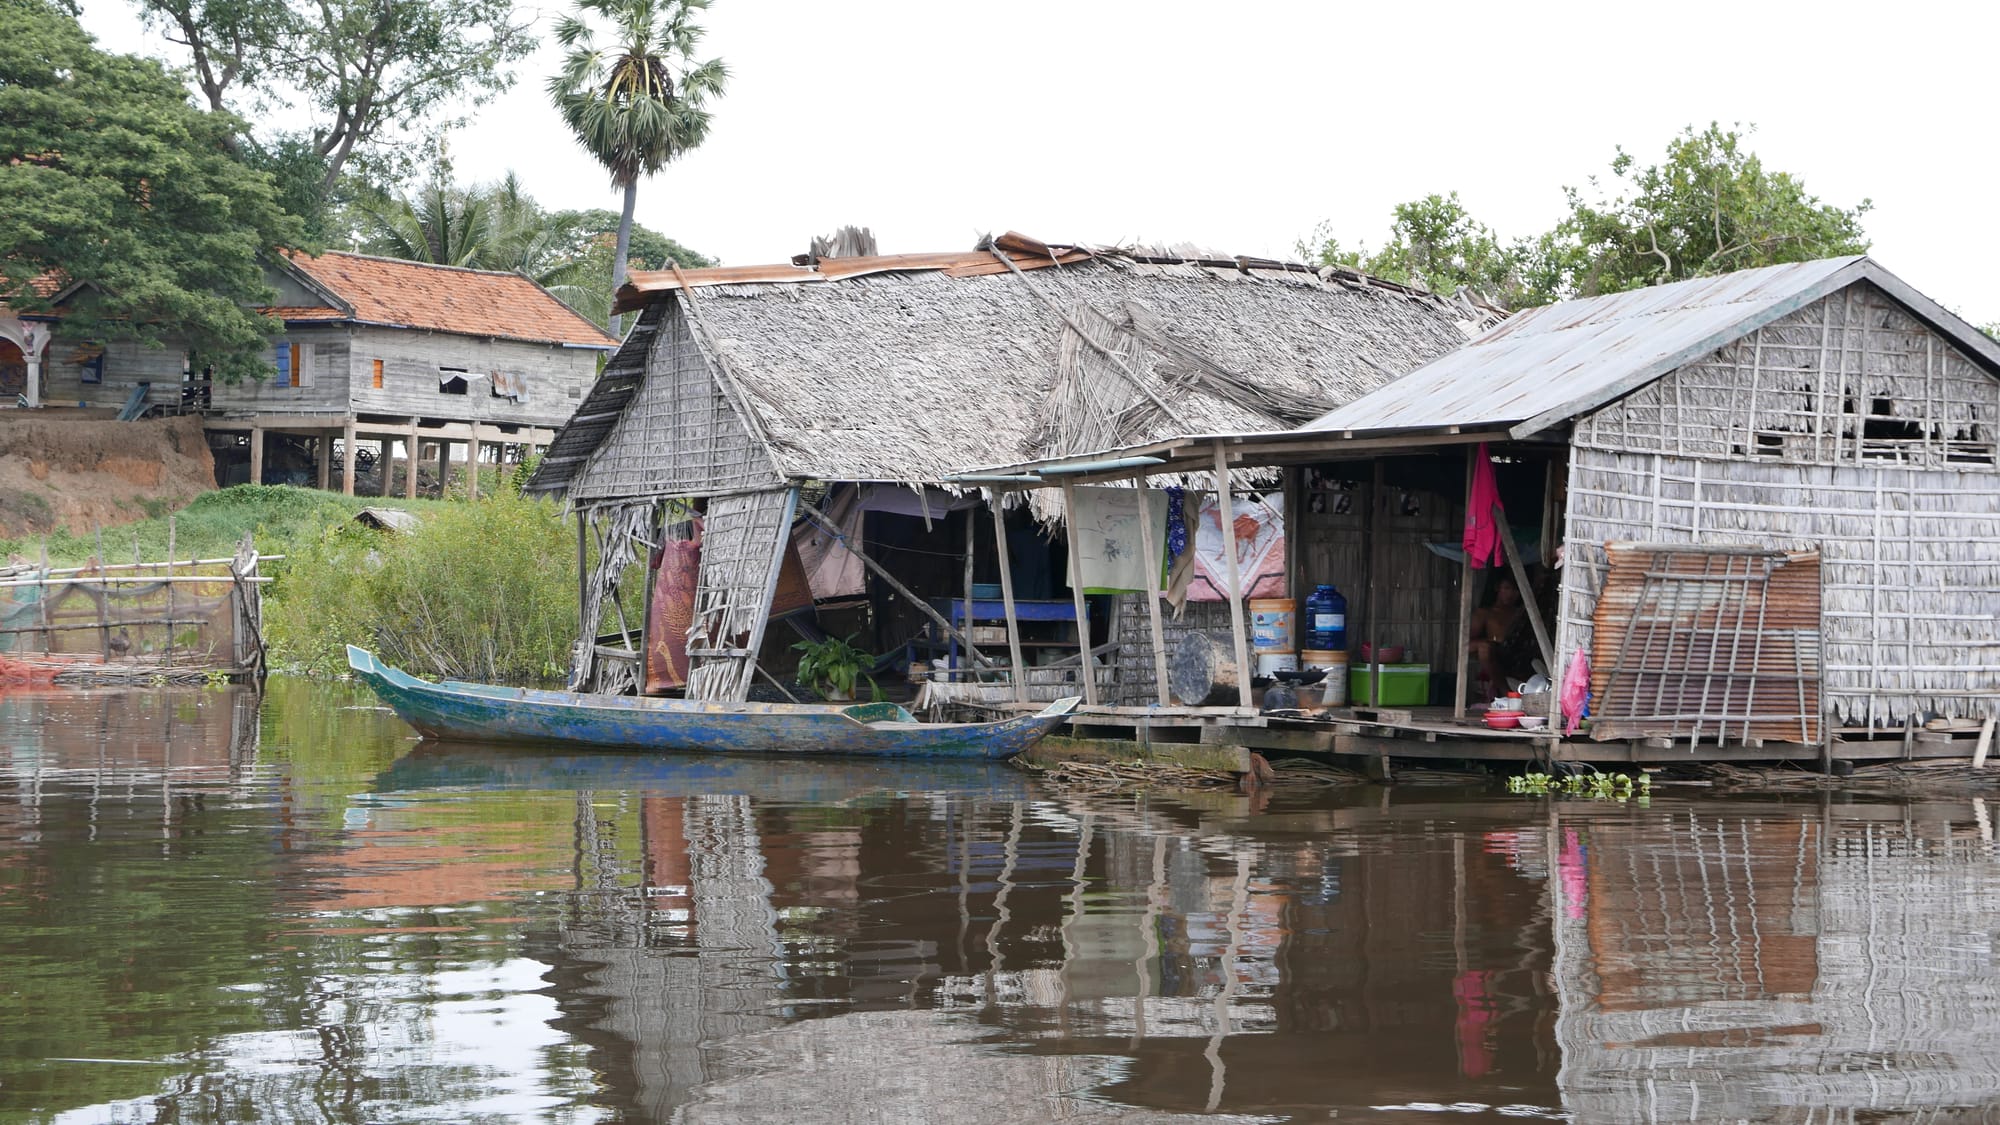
<point>676,567</point>
<point>1259,525</point>
<point>1575,697</point>
<point>1482,530</point>
<point>1110,553</point>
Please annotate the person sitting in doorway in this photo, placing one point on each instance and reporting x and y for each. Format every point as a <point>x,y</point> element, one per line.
<point>1502,643</point>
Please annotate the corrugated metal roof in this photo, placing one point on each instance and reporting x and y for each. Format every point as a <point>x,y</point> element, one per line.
<point>1546,365</point>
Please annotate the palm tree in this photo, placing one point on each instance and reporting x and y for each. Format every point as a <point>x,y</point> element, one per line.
<point>639,100</point>
<point>441,224</point>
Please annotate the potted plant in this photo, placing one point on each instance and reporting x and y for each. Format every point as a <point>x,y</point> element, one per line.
<point>833,666</point>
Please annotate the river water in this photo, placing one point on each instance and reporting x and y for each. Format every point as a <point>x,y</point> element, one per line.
<point>214,910</point>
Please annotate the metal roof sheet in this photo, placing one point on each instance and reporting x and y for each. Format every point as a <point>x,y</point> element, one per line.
<point>1546,365</point>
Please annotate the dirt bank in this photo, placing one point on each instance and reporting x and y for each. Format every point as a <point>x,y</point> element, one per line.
<point>82,468</point>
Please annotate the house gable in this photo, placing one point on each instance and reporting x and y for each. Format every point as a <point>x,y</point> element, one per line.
<point>1855,377</point>
<point>678,433</point>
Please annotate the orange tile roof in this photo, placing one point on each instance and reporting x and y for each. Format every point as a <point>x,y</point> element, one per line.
<point>447,299</point>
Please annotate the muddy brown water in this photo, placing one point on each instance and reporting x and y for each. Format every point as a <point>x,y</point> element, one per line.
<point>214,910</point>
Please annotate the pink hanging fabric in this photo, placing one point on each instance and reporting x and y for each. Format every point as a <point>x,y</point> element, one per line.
<point>1575,692</point>
<point>1482,531</point>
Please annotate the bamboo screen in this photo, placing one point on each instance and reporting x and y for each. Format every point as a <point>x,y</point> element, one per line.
<point>1707,642</point>
<point>742,547</point>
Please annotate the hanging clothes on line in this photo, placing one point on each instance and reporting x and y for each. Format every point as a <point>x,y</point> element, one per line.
<point>1482,530</point>
<point>1259,525</point>
<point>1111,557</point>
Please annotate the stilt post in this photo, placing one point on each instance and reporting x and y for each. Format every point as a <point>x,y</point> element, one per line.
<point>1239,630</point>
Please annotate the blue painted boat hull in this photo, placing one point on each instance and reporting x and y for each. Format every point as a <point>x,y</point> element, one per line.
<point>490,713</point>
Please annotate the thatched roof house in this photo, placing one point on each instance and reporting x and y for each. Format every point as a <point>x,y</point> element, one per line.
<point>913,368</point>
<point>738,384</point>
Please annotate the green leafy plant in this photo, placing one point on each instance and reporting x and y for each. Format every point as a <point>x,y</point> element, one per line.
<point>833,666</point>
<point>1595,786</point>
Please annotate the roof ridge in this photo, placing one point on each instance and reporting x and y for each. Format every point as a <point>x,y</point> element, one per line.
<point>407,262</point>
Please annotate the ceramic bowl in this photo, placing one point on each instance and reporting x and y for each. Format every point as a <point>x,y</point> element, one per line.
<point>1534,722</point>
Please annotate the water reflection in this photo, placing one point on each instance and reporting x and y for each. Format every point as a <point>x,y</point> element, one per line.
<point>299,913</point>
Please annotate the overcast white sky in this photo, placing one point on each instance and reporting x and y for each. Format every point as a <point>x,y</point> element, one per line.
<point>1239,125</point>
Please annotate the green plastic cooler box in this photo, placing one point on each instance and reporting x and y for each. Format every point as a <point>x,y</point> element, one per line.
<point>1403,685</point>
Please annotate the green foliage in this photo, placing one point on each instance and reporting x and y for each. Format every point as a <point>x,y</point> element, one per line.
<point>1709,207</point>
<point>112,178</point>
<point>1595,786</point>
<point>499,226</point>
<point>832,666</point>
<point>483,591</point>
<point>276,516</point>
<point>366,71</point>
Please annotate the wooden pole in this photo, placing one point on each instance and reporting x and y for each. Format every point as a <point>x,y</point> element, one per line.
<point>585,630</point>
<point>1371,642</point>
<point>386,458</point>
<point>1528,602</point>
<point>256,455</point>
<point>1086,666</point>
<point>347,458</point>
<point>1226,509</point>
<point>444,467</point>
<point>1465,601</point>
<point>410,447</point>
<point>323,462</point>
<point>826,522</point>
<point>971,536</point>
<point>1985,744</point>
<point>472,465</point>
<point>170,589</point>
<point>1007,596</point>
<point>1151,550</point>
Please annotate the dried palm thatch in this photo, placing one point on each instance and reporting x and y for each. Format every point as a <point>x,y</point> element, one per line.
<point>912,375</point>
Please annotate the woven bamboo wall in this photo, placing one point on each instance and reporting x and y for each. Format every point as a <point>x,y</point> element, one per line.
<point>680,436</point>
<point>1850,379</point>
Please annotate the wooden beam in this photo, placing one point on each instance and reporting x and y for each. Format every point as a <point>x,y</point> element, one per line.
<point>1007,596</point>
<point>347,458</point>
<point>1087,667</point>
<point>1372,642</point>
<point>1239,632</point>
<point>387,459</point>
<point>256,455</point>
<point>1465,601</point>
<point>1528,602</point>
<point>472,465</point>
<point>1151,551</point>
<point>323,461</point>
<point>444,468</point>
<point>410,446</point>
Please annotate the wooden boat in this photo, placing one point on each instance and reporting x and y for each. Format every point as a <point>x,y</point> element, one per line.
<point>487,713</point>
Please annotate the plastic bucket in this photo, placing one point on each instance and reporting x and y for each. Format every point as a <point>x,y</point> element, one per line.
<point>1334,686</point>
<point>1271,663</point>
<point>1271,621</point>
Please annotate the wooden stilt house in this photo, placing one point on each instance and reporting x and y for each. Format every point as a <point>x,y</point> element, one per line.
<point>1764,507</point>
<point>742,386</point>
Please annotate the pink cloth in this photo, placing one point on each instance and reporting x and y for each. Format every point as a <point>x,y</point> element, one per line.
<point>1575,692</point>
<point>1482,531</point>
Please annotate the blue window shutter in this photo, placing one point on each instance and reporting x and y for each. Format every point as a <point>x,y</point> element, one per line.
<point>284,364</point>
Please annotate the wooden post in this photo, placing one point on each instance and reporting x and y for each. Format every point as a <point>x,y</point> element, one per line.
<point>472,465</point>
<point>410,447</point>
<point>1086,666</point>
<point>1372,642</point>
<point>256,455</point>
<point>169,647</point>
<point>1151,550</point>
<point>444,467</point>
<point>1226,509</point>
<point>323,461</point>
<point>347,458</point>
<point>1007,596</point>
<point>1985,744</point>
<point>1465,601</point>
<point>1528,603</point>
<point>971,534</point>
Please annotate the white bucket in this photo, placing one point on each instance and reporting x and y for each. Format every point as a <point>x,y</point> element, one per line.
<point>1334,687</point>
<point>1271,663</point>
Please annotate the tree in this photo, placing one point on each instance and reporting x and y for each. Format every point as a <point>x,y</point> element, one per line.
<point>365,69</point>
<point>1710,207</point>
<point>1434,242</point>
<point>638,101</point>
<point>112,178</point>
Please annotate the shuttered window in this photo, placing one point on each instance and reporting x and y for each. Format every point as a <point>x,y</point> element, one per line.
<point>377,383</point>
<point>1707,642</point>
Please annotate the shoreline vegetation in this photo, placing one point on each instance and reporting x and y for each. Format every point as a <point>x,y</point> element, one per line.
<point>481,590</point>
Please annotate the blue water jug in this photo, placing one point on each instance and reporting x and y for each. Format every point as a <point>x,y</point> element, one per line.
<point>1326,619</point>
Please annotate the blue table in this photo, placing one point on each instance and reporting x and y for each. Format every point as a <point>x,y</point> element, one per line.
<point>995,609</point>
